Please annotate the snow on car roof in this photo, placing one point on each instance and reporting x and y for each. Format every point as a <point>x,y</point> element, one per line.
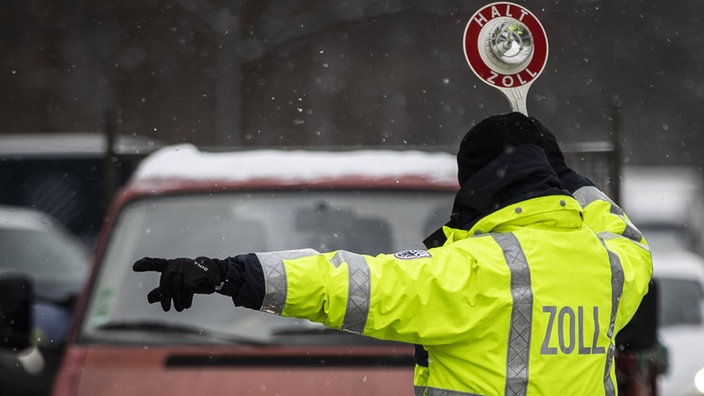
<point>19,217</point>
<point>185,161</point>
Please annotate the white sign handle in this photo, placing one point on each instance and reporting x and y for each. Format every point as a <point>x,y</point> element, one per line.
<point>517,97</point>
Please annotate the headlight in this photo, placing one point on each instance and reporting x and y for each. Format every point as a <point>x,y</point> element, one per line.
<point>699,380</point>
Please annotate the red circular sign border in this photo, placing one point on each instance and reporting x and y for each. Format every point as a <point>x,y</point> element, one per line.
<point>481,69</point>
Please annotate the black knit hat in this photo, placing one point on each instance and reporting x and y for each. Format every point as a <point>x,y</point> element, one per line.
<point>491,137</point>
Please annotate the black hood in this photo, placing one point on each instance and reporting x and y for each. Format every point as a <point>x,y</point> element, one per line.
<point>491,137</point>
<point>520,172</point>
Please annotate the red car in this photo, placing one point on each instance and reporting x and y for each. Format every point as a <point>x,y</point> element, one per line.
<point>183,203</point>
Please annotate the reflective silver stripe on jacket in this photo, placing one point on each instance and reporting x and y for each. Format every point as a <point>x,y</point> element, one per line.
<point>610,235</point>
<point>588,194</point>
<point>521,319</point>
<point>275,282</point>
<point>358,291</point>
<point>617,279</point>
<point>359,284</point>
<point>521,315</point>
<point>421,391</point>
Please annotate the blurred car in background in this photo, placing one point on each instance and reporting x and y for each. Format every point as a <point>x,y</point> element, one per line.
<point>34,245</point>
<point>183,202</point>
<point>667,205</point>
<point>70,176</point>
<point>680,277</point>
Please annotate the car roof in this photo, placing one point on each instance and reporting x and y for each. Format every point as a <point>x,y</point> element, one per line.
<point>677,263</point>
<point>661,194</point>
<point>185,164</point>
<point>71,145</point>
<point>18,217</point>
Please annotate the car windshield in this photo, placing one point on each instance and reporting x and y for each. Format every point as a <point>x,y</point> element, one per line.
<point>681,302</point>
<point>53,262</point>
<point>226,224</point>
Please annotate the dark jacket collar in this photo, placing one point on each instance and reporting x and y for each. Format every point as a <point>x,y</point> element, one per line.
<point>519,173</point>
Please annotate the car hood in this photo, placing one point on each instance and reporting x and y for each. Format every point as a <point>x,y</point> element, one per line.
<point>250,370</point>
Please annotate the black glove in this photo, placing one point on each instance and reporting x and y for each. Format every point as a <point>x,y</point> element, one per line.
<point>181,278</point>
<point>546,140</point>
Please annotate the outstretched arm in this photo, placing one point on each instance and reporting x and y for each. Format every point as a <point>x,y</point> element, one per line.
<point>390,296</point>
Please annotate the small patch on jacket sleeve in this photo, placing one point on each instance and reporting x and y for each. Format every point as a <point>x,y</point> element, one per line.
<point>412,254</point>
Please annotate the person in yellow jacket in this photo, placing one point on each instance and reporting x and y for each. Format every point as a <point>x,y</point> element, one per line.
<point>522,292</point>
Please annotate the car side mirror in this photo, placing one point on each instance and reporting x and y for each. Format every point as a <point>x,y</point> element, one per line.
<point>16,296</point>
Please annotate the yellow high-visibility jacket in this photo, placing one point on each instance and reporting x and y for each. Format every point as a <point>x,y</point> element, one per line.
<point>528,301</point>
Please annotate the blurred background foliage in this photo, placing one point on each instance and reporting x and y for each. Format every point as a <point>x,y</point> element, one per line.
<point>355,73</point>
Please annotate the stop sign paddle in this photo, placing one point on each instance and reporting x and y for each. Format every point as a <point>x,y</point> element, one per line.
<point>507,48</point>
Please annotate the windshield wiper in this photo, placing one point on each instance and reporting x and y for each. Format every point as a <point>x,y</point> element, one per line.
<point>302,330</point>
<point>176,328</point>
<point>306,335</point>
<point>152,326</point>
